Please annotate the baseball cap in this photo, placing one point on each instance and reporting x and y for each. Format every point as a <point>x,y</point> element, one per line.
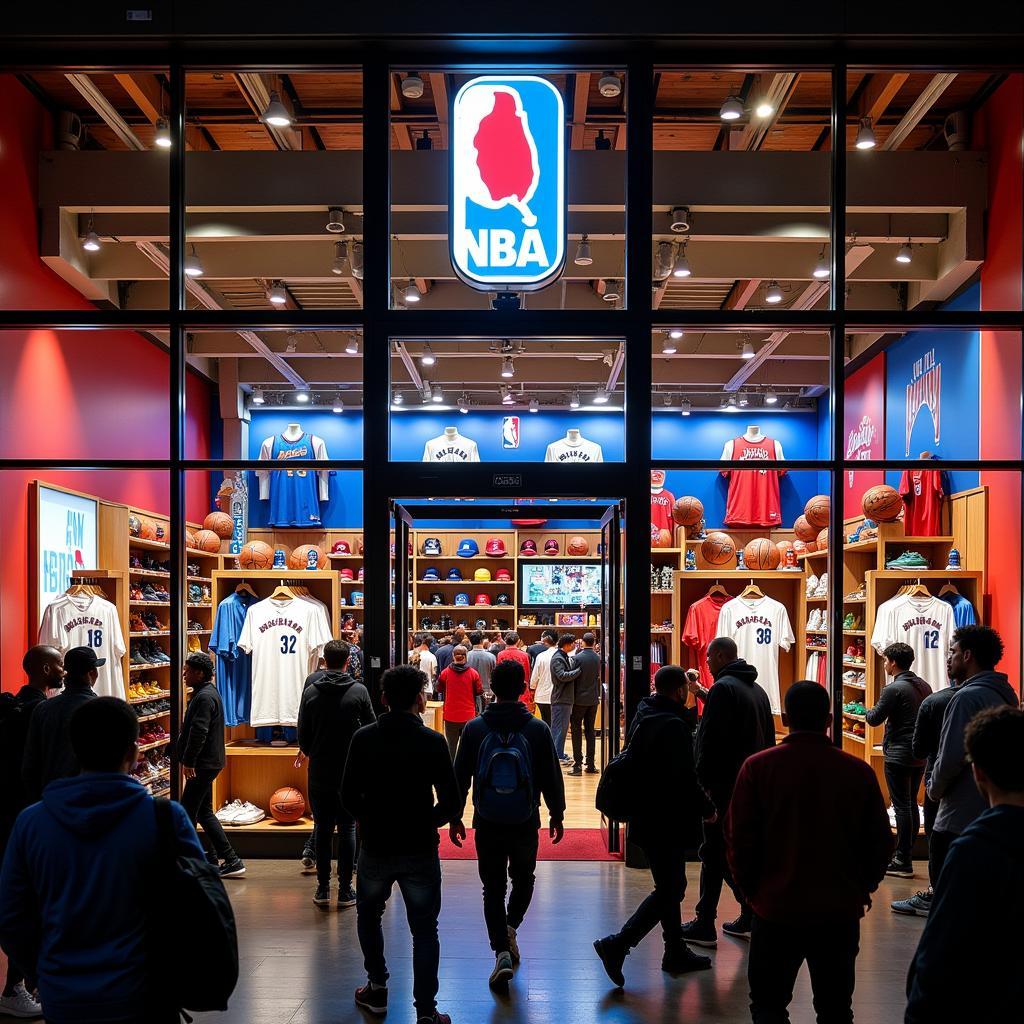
<point>431,546</point>
<point>431,573</point>
<point>347,574</point>
<point>481,623</point>
<point>551,546</point>
<point>436,597</point>
<point>467,548</point>
<point>341,547</point>
<point>503,576</point>
<point>503,598</point>
<point>482,575</point>
<point>528,547</point>
<point>80,660</point>
<point>455,574</point>
<point>495,547</point>
<point>482,599</point>
<point>461,599</point>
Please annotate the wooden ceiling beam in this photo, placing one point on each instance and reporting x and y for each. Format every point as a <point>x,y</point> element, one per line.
<point>147,93</point>
<point>256,90</point>
<point>580,97</point>
<point>918,109</point>
<point>879,92</point>
<point>439,88</point>
<point>402,136</point>
<point>91,93</point>
<point>741,293</point>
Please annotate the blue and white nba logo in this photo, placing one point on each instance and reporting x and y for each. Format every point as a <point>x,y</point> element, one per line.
<point>507,182</point>
<point>510,432</point>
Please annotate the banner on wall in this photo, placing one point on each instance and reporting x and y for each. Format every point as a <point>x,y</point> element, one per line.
<point>864,427</point>
<point>66,531</point>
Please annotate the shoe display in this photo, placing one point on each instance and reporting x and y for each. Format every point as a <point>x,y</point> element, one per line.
<point>851,621</point>
<point>195,593</point>
<point>248,814</point>
<point>700,933</point>
<point>322,896</point>
<point>821,590</point>
<point>900,868</point>
<point>20,1003</point>
<point>866,531</point>
<point>226,815</point>
<point>682,960</point>
<point>812,585</point>
<point>194,647</point>
<point>953,562</point>
<point>917,905</point>
<point>857,595</point>
<point>854,708</point>
<point>908,560</point>
<point>814,620</point>
<point>502,973</point>
<point>193,569</point>
<point>373,1000</point>
<point>612,952</point>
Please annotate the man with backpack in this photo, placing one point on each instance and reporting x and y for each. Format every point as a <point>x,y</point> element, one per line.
<point>508,756</point>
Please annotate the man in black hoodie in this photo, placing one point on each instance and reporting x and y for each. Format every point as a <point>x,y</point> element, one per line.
<point>333,708</point>
<point>981,895</point>
<point>507,849</point>
<point>736,723</point>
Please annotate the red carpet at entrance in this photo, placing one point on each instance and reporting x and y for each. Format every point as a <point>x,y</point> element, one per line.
<point>577,844</point>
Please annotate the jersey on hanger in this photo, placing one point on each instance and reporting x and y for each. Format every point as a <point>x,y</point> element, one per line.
<point>753,494</point>
<point>296,489</point>
<point>661,509</point>
<point>926,624</point>
<point>963,610</point>
<point>583,451</point>
<point>281,636</point>
<point>87,620</point>
<point>922,492</point>
<point>760,626</point>
<point>234,666</point>
<point>700,629</point>
<point>455,449</point>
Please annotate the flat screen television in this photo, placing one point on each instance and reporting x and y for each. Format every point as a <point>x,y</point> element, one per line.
<point>559,583</point>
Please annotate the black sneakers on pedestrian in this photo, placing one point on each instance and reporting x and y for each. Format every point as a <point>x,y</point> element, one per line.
<point>740,928</point>
<point>373,1000</point>
<point>308,862</point>
<point>700,933</point>
<point>899,868</point>
<point>232,868</point>
<point>346,897</point>
<point>682,960</point>
<point>592,770</point>
<point>502,973</point>
<point>576,770</point>
<point>322,896</point>
<point>612,952</point>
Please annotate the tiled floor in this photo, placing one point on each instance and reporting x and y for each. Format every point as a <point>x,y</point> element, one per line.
<point>300,964</point>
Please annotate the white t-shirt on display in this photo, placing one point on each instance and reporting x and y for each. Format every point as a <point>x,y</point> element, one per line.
<point>451,449</point>
<point>760,626</point>
<point>88,620</point>
<point>314,657</point>
<point>282,636</point>
<point>582,451</point>
<point>926,624</point>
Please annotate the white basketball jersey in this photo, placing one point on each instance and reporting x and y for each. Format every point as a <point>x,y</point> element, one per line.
<point>582,451</point>
<point>88,620</point>
<point>760,626</point>
<point>282,636</point>
<point>454,449</point>
<point>926,624</point>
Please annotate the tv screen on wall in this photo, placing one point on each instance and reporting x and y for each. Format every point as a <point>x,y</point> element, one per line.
<point>560,583</point>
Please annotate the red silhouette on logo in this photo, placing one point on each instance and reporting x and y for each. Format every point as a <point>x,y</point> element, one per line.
<point>505,156</point>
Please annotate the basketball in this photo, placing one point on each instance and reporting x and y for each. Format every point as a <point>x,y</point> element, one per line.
<point>801,548</point>
<point>578,546</point>
<point>190,539</point>
<point>219,523</point>
<point>207,540</point>
<point>660,538</point>
<point>882,504</point>
<point>811,545</point>
<point>718,549</point>
<point>803,529</point>
<point>761,555</point>
<point>299,558</point>
<point>784,546</point>
<point>822,540</point>
<point>816,511</point>
<point>687,511</point>
<point>256,555</point>
<point>287,805</point>
<point>147,528</point>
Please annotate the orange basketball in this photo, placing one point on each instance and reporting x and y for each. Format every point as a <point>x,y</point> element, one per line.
<point>147,528</point>
<point>803,529</point>
<point>660,538</point>
<point>882,504</point>
<point>219,523</point>
<point>256,555</point>
<point>784,546</point>
<point>578,546</point>
<point>801,548</point>
<point>811,545</point>
<point>299,558</point>
<point>190,539</point>
<point>761,555</point>
<point>207,540</point>
<point>816,511</point>
<point>687,511</point>
<point>287,805</point>
<point>718,549</point>
<point>822,540</point>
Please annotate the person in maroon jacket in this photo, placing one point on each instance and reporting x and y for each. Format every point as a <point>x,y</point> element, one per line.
<point>808,840</point>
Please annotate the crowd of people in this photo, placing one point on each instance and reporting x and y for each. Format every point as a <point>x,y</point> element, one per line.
<point>798,830</point>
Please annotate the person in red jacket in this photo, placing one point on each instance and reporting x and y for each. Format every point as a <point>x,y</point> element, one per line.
<point>515,651</point>
<point>808,840</point>
<point>461,689</point>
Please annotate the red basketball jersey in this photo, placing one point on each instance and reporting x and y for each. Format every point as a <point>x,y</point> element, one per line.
<point>661,510</point>
<point>700,629</point>
<point>753,494</point>
<point>922,494</point>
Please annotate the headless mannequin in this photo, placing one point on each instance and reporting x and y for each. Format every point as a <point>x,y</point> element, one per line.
<point>572,436</point>
<point>451,432</point>
<point>753,435</point>
<point>292,432</point>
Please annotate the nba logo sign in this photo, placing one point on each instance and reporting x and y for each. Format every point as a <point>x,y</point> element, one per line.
<point>507,182</point>
<point>510,432</point>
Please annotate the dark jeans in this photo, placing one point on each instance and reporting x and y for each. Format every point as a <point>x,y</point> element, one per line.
<point>903,782</point>
<point>197,799</point>
<point>931,809</point>
<point>545,713</point>
<point>714,870</point>
<point>776,953</point>
<point>328,815</point>
<point>938,848</point>
<point>419,879</point>
<point>453,733</point>
<point>560,715</point>
<point>505,852</point>
<point>667,862</point>
<point>582,724</point>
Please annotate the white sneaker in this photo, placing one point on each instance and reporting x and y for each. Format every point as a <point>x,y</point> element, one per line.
<point>822,588</point>
<point>229,812</point>
<point>21,1004</point>
<point>249,814</point>
<point>812,583</point>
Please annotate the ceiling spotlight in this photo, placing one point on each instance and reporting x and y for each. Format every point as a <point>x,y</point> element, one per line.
<point>747,351</point>
<point>682,267</point>
<point>292,343</point>
<point>193,264</point>
<point>340,258</point>
<point>675,333</point>
<point>732,109</point>
<point>334,222</point>
<point>412,86</point>
<point>91,242</point>
<point>574,400</point>
<point>356,259</point>
<point>770,398</point>
<point>866,135</point>
<point>339,406</point>
<point>352,345</point>
<point>731,404</point>
<point>609,85</point>
<point>534,405</point>
<point>276,113</point>
<point>301,395</point>
<point>904,254</point>
<point>257,396</point>
<point>764,107</point>
<point>583,257</point>
<point>411,293</point>
<point>423,143</point>
<point>612,291</point>
<point>821,269</point>
<point>398,398</point>
<point>601,397</point>
<point>602,143</point>
<point>668,346</point>
<point>507,367</point>
<point>684,407</point>
<point>426,394</point>
<point>427,357</point>
<point>507,398</point>
<point>437,395</point>
<point>773,293</point>
<point>463,403</point>
<point>680,220</point>
<point>163,133</point>
<point>276,295</point>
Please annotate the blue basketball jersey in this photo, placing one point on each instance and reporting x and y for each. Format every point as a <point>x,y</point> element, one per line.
<point>234,666</point>
<point>294,492</point>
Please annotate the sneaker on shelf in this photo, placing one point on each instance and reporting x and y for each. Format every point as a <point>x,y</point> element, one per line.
<point>739,928</point>
<point>20,1003</point>
<point>346,898</point>
<point>908,560</point>
<point>821,590</point>
<point>322,896</point>
<point>900,868</point>
<point>249,814</point>
<point>812,585</point>
<point>193,569</point>
<point>502,973</point>
<point>917,905</point>
<point>373,999</point>
<point>848,620</point>
<point>513,945</point>
<point>682,960</point>
<point>953,562</point>
<point>700,933</point>
<point>194,647</point>
<point>858,594</point>
<point>227,814</point>
<point>232,868</point>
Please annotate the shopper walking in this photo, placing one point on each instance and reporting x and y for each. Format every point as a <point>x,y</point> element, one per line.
<point>72,905</point>
<point>200,752</point>
<point>333,708</point>
<point>481,659</point>
<point>514,651</point>
<point>982,892</point>
<point>508,757</point>
<point>48,751</point>
<point>898,707</point>
<point>736,723</point>
<point>585,702</point>
<point>666,812</point>
<point>460,688</point>
<point>394,768</point>
<point>564,673</point>
<point>805,860</point>
<point>540,677</point>
<point>422,658</point>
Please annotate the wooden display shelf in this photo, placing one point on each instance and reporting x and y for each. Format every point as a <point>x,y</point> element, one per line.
<point>156,714</point>
<point>240,748</point>
<point>203,553</point>
<point>161,777</point>
<point>855,717</point>
<point>855,600</point>
<point>149,668</point>
<point>855,686</point>
<point>345,558</point>
<point>659,593</point>
<point>854,737</point>
<point>855,632</point>
<point>149,574</point>
<point>811,598</point>
<point>459,583</point>
<point>199,579</point>
<point>150,604</point>
<point>152,746</point>
<point>199,604</point>
<point>162,695</point>
<point>447,607</point>
<point>152,545</point>
<point>149,633</point>
<point>269,824</point>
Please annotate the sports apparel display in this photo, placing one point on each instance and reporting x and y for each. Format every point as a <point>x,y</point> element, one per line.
<point>234,666</point>
<point>926,624</point>
<point>468,548</point>
<point>451,447</point>
<point>922,491</point>
<point>963,610</point>
<point>579,450</point>
<point>701,628</point>
<point>282,635</point>
<point>88,620</point>
<point>760,626</point>
<point>753,498</point>
<point>661,509</point>
<point>295,493</point>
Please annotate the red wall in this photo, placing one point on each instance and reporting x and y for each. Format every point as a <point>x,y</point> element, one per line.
<point>863,413</point>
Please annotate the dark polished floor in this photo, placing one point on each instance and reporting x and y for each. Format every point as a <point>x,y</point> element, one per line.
<point>300,965</point>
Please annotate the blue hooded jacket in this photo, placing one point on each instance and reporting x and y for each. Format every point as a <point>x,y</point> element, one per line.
<point>76,885</point>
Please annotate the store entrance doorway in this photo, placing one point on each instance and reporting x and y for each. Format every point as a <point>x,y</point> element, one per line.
<point>483,566</point>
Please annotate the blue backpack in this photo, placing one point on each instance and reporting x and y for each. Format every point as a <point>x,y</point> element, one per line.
<point>503,784</point>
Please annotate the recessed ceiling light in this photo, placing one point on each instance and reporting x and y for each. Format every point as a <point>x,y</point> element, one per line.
<point>609,85</point>
<point>866,135</point>
<point>427,357</point>
<point>163,133</point>
<point>301,395</point>
<point>276,113</point>
<point>335,224</point>
<point>679,219</point>
<point>193,264</point>
<point>412,86</point>
<point>612,291</point>
<point>904,255</point>
<point>583,257</point>
<point>732,109</point>
<point>773,293</point>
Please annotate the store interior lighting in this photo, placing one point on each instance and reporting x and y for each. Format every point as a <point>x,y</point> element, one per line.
<point>904,254</point>
<point>583,257</point>
<point>866,135</point>
<point>574,400</point>
<point>352,345</point>
<point>163,133</point>
<point>340,258</point>
<point>193,264</point>
<point>682,268</point>
<point>398,398</point>
<point>612,291</point>
<point>427,357</point>
<point>335,224</point>
<point>770,397</point>
<point>463,403</point>
<point>257,396</point>
<point>676,333</point>
<point>301,395</point>
<point>743,400</point>
<point>609,85</point>
<point>747,352</point>
<point>822,271</point>
<point>437,395</point>
<point>412,86</point>
<point>276,294</point>
<point>91,242</point>
<point>679,220</point>
<point>601,397</point>
<point>276,113</point>
<point>684,407</point>
<point>773,293</point>
<point>507,398</point>
<point>411,293</point>
<point>764,107</point>
<point>339,406</point>
<point>668,346</point>
<point>534,405</point>
<point>356,260</point>
<point>508,369</point>
<point>732,109</point>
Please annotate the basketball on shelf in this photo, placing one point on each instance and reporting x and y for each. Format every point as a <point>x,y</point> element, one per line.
<point>816,511</point>
<point>822,540</point>
<point>660,538</point>
<point>578,546</point>
<point>256,555</point>
<point>801,548</point>
<point>761,555</point>
<point>219,523</point>
<point>287,805</point>
<point>300,557</point>
<point>147,528</point>
<point>882,504</point>
<point>687,510</point>
<point>207,540</point>
<point>190,539</point>
<point>718,549</point>
<point>803,529</point>
<point>784,546</point>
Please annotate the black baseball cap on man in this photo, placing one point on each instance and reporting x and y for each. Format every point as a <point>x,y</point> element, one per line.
<point>81,660</point>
